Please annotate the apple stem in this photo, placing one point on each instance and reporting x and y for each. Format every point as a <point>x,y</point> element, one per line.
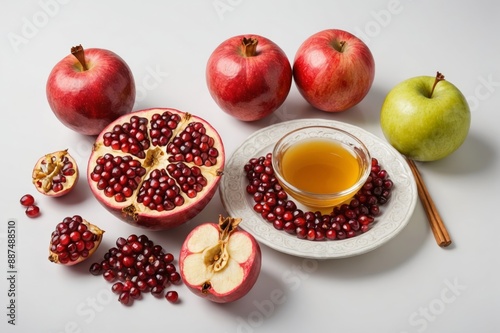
<point>342,44</point>
<point>249,46</point>
<point>338,45</point>
<point>79,54</point>
<point>439,77</point>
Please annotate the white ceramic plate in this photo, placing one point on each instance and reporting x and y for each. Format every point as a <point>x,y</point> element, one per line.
<point>395,213</point>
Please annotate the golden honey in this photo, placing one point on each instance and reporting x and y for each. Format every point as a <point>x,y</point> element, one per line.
<point>320,166</point>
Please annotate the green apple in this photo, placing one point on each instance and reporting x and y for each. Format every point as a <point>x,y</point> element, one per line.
<point>425,118</point>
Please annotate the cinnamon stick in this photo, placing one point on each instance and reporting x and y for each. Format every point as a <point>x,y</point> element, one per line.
<point>437,225</point>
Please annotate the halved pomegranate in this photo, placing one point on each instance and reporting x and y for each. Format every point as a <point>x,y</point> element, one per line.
<point>55,174</point>
<point>156,168</point>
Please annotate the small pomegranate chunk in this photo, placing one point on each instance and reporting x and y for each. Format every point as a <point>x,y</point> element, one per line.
<point>156,168</point>
<point>55,174</point>
<point>74,240</point>
<point>136,265</point>
<point>344,221</point>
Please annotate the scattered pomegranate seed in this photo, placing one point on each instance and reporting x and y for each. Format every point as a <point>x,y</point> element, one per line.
<point>135,265</point>
<point>124,298</point>
<point>96,269</point>
<point>33,211</point>
<point>345,221</point>
<point>27,200</point>
<point>172,296</point>
<point>117,287</point>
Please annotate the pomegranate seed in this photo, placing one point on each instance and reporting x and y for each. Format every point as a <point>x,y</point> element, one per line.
<point>109,275</point>
<point>27,200</point>
<point>128,261</point>
<point>168,258</point>
<point>172,296</point>
<point>33,211</point>
<point>117,287</point>
<point>75,236</point>
<point>124,298</point>
<point>175,278</point>
<point>95,269</point>
<point>331,234</point>
<point>157,291</point>
<point>135,293</point>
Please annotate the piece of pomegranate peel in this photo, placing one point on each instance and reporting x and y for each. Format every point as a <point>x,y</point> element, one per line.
<point>73,241</point>
<point>220,262</point>
<point>55,174</point>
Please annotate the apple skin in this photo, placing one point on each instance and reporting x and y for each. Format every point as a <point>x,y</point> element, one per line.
<point>332,77</point>
<point>248,88</point>
<point>88,100</point>
<point>251,267</point>
<point>423,128</point>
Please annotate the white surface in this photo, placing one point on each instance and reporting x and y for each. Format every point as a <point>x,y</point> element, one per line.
<point>395,214</point>
<point>407,285</point>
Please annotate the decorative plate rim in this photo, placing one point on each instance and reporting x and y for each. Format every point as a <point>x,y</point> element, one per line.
<point>395,214</point>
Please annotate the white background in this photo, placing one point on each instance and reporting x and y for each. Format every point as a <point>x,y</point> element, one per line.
<point>408,285</point>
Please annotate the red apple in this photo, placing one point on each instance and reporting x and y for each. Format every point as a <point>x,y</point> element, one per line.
<point>220,262</point>
<point>333,70</point>
<point>249,77</point>
<point>88,89</point>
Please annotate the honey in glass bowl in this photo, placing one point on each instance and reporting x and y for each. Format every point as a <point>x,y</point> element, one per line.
<point>321,166</point>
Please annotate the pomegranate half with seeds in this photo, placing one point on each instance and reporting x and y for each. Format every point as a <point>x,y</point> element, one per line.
<point>156,168</point>
<point>55,174</point>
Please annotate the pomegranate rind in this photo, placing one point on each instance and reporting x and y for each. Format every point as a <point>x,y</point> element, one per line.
<point>138,215</point>
<point>42,178</point>
<point>248,260</point>
<point>54,257</point>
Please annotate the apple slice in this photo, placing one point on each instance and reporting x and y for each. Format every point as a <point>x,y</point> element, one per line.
<point>220,262</point>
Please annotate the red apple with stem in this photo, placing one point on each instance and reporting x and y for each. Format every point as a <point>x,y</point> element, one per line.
<point>249,77</point>
<point>90,88</point>
<point>333,70</point>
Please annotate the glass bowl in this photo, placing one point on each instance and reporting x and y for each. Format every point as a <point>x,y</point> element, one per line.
<point>321,166</point>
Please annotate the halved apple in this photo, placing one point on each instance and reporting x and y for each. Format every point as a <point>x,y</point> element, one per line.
<point>220,261</point>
